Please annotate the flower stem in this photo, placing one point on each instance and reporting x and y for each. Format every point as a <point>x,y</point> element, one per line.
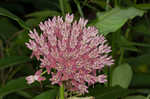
<point>79,7</point>
<point>43,72</point>
<point>61,90</point>
<point>61,3</point>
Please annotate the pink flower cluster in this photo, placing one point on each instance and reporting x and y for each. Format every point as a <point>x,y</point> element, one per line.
<point>70,52</point>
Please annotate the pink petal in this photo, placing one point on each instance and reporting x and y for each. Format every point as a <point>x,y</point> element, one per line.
<point>102,78</point>
<point>30,79</point>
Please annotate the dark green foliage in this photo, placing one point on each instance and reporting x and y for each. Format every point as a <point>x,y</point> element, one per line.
<point>125,23</point>
<point>13,86</point>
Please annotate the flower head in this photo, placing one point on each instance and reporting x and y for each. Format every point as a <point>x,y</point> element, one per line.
<point>71,52</point>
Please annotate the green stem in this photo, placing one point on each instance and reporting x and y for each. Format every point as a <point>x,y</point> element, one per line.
<point>79,7</point>
<point>107,5</point>
<point>43,72</point>
<point>116,3</point>
<point>140,44</point>
<point>121,55</point>
<point>61,90</point>
<point>135,1</point>
<point>85,2</point>
<point>109,78</point>
<point>114,37</point>
<point>62,7</point>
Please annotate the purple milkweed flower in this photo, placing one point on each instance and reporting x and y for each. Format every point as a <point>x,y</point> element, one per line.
<point>71,52</point>
<point>30,79</point>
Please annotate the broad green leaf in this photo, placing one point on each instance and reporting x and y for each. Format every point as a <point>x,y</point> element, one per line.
<point>136,97</point>
<point>45,13</point>
<point>122,75</point>
<point>116,92</point>
<point>25,94</point>
<point>107,93</point>
<point>50,94</point>
<point>101,92</point>
<point>4,12</point>
<point>141,80</point>
<point>143,6</point>
<point>141,27</point>
<point>114,19</point>
<point>12,60</point>
<point>139,60</point>
<point>13,86</point>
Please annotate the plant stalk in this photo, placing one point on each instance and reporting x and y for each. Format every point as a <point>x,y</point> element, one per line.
<point>61,3</point>
<point>61,92</point>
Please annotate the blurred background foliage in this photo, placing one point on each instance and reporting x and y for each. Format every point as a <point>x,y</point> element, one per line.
<point>125,23</point>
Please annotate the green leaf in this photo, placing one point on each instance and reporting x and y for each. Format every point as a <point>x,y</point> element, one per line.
<point>12,60</point>
<point>45,13</point>
<point>141,80</point>
<point>79,7</point>
<point>136,97</point>
<point>100,3</point>
<point>124,43</point>
<point>122,75</point>
<point>33,22</point>
<point>39,16</point>
<point>7,28</point>
<point>67,6</point>
<point>61,3</point>
<point>143,6</point>
<point>139,60</point>
<point>50,94</point>
<point>6,13</point>
<point>46,4</point>
<point>107,93</point>
<point>141,27</point>
<point>25,94</point>
<point>114,19</point>
<point>21,38</point>
<point>13,86</point>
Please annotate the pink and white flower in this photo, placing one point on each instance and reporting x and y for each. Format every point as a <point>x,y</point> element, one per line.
<point>37,77</point>
<point>71,52</point>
